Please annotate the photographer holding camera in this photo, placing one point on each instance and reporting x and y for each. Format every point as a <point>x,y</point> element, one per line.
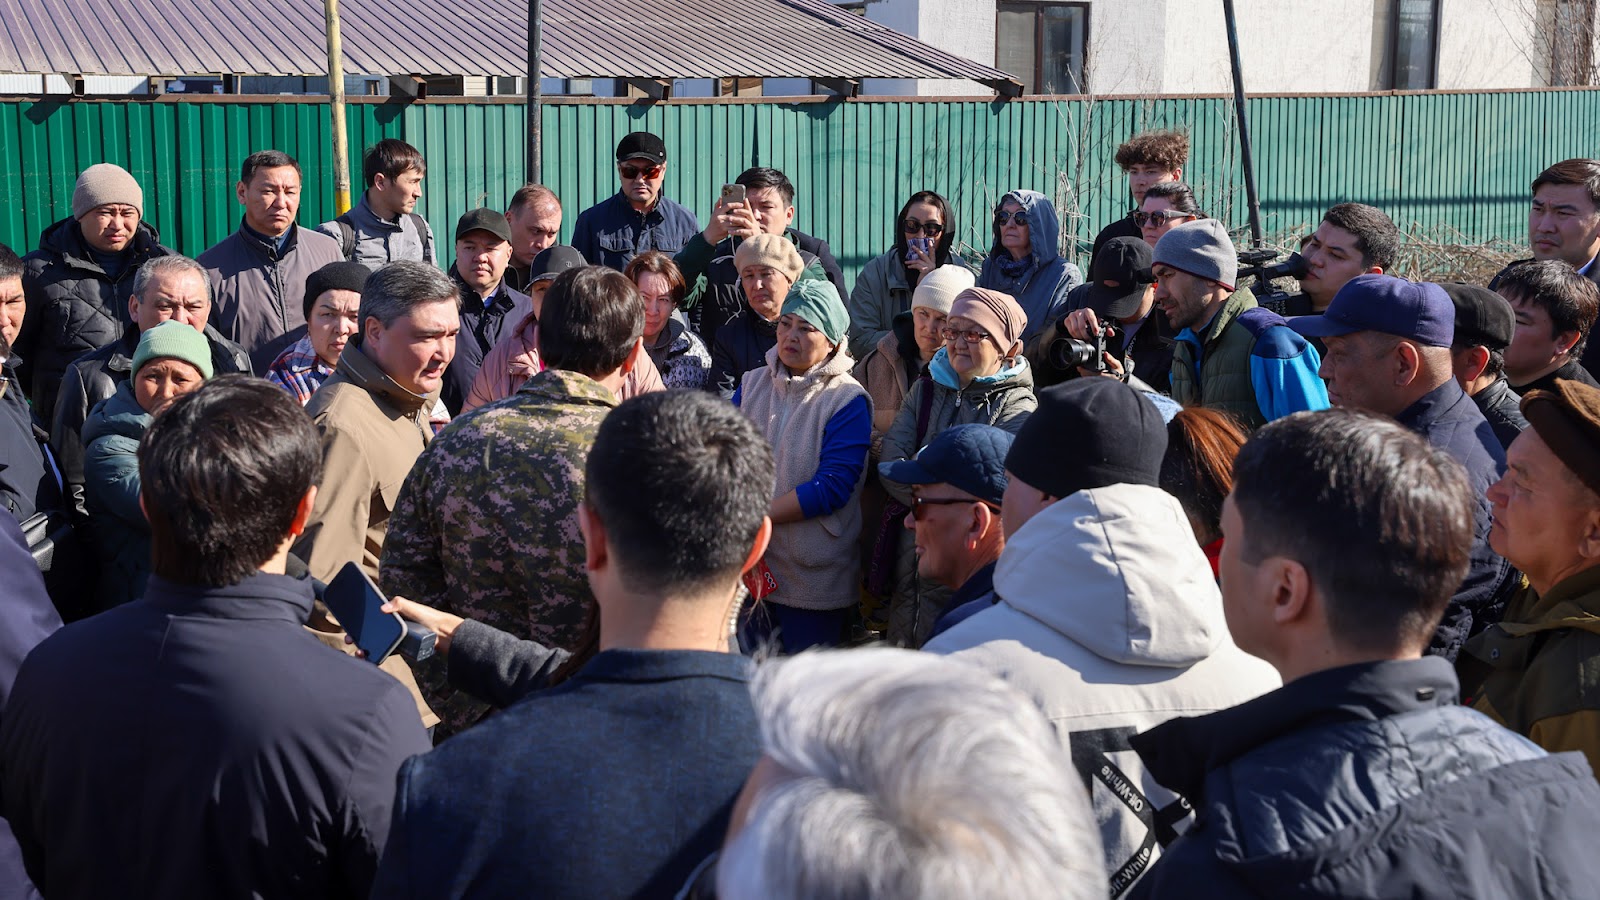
<point>1111,323</point>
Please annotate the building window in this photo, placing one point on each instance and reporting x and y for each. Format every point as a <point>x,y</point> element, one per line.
<point>1408,33</point>
<point>1043,44</point>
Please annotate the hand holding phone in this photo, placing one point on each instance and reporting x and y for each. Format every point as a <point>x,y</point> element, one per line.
<point>358,605</point>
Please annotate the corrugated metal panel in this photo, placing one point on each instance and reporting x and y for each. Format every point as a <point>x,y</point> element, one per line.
<point>582,39</point>
<point>1438,163</point>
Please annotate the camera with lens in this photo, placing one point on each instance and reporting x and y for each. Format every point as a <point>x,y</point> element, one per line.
<point>1068,354</point>
<point>1260,265</point>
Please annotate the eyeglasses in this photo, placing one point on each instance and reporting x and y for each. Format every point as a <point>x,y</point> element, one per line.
<point>1020,217</point>
<point>931,229</point>
<point>919,505</point>
<point>971,337</point>
<point>1160,217</point>
<point>629,173</point>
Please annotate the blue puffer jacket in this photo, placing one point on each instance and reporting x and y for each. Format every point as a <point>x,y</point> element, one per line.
<point>1041,289</point>
<point>1369,781</point>
<point>111,492</point>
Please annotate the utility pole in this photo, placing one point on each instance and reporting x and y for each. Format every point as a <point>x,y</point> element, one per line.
<point>534,93</point>
<point>1244,126</point>
<point>341,141</point>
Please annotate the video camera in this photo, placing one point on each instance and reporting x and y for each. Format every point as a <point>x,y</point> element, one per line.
<point>1067,354</point>
<point>1259,265</point>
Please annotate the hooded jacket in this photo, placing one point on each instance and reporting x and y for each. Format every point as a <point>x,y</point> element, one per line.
<point>1368,780</point>
<point>680,356</point>
<point>95,376</point>
<point>119,529</point>
<point>74,305</point>
<point>1110,620</point>
<point>1041,289</point>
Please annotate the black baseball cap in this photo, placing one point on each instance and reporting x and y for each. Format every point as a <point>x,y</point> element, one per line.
<point>642,145</point>
<point>484,219</point>
<point>1482,316</point>
<point>552,261</point>
<point>1117,279</point>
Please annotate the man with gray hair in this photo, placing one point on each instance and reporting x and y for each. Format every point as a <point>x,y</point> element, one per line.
<point>164,288</point>
<point>372,416</point>
<point>892,774</point>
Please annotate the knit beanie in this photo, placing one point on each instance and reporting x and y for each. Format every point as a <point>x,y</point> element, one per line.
<point>773,250</point>
<point>818,303</point>
<point>1089,433</point>
<point>1203,249</point>
<point>104,183</point>
<point>938,289</point>
<point>995,313</point>
<point>335,276</point>
<point>174,340</point>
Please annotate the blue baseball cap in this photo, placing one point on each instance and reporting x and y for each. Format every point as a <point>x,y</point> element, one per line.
<point>1416,311</point>
<point>969,457</point>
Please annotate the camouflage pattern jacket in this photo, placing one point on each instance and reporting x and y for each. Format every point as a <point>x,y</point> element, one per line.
<point>486,524</point>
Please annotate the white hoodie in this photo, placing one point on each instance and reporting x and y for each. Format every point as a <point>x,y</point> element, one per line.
<point>1110,619</point>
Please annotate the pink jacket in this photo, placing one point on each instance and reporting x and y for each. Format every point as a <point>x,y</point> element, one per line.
<point>516,359</point>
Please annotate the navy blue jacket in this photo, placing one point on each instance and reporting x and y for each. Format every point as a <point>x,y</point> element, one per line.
<point>612,232</point>
<point>26,618</point>
<point>1369,781</point>
<point>615,783</point>
<point>1450,421</point>
<point>29,482</point>
<point>482,326</point>
<point>973,597</point>
<point>201,743</point>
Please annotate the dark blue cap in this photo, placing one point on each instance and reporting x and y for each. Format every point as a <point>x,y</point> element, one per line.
<point>969,457</point>
<point>1416,311</point>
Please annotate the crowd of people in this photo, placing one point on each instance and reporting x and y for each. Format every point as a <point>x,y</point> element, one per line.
<point>972,579</point>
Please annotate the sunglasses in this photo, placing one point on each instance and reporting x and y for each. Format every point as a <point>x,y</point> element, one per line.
<point>919,505</point>
<point>631,172</point>
<point>1020,217</point>
<point>931,229</point>
<point>1160,217</point>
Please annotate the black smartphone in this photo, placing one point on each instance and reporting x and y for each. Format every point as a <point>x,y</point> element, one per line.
<point>355,601</point>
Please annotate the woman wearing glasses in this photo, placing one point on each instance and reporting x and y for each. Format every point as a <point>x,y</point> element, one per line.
<point>1025,260</point>
<point>979,376</point>
<point>923,234</point>
<point>1165,205</point>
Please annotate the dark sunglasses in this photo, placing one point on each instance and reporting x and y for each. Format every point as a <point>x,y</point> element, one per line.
<point>919,505</point>
<point>931,229</point>
<point>632,172</point>
<point>1160,217</point>
<point>1020,217</point>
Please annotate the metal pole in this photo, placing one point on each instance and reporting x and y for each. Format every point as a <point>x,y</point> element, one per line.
<point>341,141</point>
<point>1244,126</point>
<point>535,95</point>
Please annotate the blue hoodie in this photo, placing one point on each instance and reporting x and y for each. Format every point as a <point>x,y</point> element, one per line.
<point>1041,289</point>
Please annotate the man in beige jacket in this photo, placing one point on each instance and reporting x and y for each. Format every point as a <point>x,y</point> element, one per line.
<point>372,415</point>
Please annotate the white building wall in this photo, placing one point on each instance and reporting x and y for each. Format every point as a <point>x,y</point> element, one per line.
<point>1490,44</point>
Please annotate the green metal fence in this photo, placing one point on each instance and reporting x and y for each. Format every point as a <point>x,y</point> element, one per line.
<point>1435,162</point>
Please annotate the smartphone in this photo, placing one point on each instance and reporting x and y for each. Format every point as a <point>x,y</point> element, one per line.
<point>732,193</point>
<point>918,243</point>
<point>355,601</point>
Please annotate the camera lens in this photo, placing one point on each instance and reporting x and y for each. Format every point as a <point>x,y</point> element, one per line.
<point>1067,354</point>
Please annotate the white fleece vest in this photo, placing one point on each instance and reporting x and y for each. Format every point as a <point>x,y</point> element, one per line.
<point>813,560</point>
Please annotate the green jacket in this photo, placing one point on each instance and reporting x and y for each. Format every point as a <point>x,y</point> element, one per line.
<point>1224,381</point>
<point>1538,671</point>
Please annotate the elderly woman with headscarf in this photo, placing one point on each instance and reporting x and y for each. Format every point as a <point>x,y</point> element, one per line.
<point>819,422</point>
<point>979,376</point>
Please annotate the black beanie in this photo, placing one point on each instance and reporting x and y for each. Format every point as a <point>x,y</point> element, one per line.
<point>339,276</point>
<point>1088,433</point>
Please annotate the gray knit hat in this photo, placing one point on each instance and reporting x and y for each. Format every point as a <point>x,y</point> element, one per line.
<point>1203,249</point>
<point>104,183</point>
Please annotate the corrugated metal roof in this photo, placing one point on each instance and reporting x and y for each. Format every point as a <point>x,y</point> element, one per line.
<point>658,39</point>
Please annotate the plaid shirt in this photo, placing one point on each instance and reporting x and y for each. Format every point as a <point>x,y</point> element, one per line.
<point>299,371</point>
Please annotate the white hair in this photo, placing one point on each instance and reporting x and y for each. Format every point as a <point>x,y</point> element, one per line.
<point>909,775</point>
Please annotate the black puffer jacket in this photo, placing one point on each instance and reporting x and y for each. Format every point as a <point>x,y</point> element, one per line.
<point>1369,781</point>
<point>73,305</point>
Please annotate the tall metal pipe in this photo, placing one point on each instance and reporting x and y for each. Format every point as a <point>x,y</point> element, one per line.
<point>535,95</point>
<point>341,141</point>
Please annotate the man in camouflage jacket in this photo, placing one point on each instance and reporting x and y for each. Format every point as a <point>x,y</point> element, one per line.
<point>486,524</point>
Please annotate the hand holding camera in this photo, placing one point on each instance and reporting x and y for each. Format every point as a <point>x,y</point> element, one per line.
<point>1088,350</point>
